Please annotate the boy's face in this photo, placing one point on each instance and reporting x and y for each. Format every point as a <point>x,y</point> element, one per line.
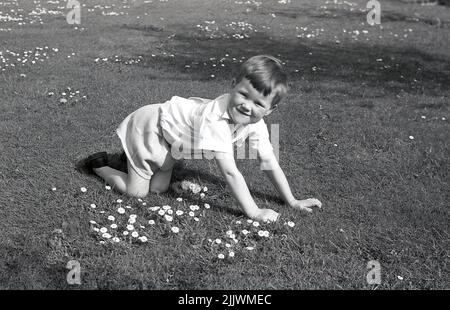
<point>247,105</point>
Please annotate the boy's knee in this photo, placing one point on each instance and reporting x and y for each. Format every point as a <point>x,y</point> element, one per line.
<point>137,193</point>
<point>159,189</point>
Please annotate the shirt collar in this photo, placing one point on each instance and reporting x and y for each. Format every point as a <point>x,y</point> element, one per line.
<point>222,102</point>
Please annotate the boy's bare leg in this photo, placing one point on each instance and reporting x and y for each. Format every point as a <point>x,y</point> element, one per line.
<point>129,183</point>
<point>160,181</point>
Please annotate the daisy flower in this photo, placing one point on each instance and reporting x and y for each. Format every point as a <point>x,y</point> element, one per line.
<point>261,233</point>
<point>168,218</point>
<point>169,212</point>
<point>245,232</point>
<point>228,245</point>
<point>115,239</point>
<point>166,207</point>
<point>125,233</point>
<point>192,207</point>
<point>249,221</point>
<point>93,222</point>
<point>134,234</point>
<point>96,229</point>
<point>103,230</point>
<point>175,229</point>
<point>153,208</point>
<point>196,219</point>
<point>111,218</point>
<point>221,256</point>
<point>133,216</point>
<point>132,220</point>
<point>231,254</point>
<point>207,206</point>
<point>143,239</point>
<point>196,190</point>
<point>130,227</point>
<point>218,241</point>
<point>255,224</point>
<point>185,185</point>
<point>114,226</point>
<point>161,212</point>
<point>151,222</point>
<point>179,212</point>
<point>93,206</point>
<point>202,195</point>
<point>179,199</point>
<point>119,200</point>
<point>83,189</point>
<point>291,224</point>
<point>205,189</point>
<point>191,213</point>
<point>250,248</point>
<point>108,188</point>
<point>106,235</point>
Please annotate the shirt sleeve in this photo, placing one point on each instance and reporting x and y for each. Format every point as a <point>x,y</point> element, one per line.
<point>215,135</point>
<point>259,138</point>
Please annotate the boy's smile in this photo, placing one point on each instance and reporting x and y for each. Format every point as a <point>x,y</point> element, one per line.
<point>247,105</point>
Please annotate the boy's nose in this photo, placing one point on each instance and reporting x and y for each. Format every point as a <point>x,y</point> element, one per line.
<point>245,107</point>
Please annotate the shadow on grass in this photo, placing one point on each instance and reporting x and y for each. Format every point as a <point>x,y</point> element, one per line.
<point>389,68</point>
<point>356,15</point>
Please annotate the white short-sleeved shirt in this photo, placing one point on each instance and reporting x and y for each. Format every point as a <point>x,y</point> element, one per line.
<point>197,124</point>
<point>155,134</point>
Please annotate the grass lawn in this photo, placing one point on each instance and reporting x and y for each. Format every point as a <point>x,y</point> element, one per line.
<point>365,129</point>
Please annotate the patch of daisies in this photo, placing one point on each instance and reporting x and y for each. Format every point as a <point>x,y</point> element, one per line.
<point>245,236</point>
<point>125,225</point>
<point>137,223</point>
<point>67,96</point>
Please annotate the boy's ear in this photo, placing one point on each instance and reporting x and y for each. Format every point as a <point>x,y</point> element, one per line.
<point>271,110</point>
<point>233,83</point>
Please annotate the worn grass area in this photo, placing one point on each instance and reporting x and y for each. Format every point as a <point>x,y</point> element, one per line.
<point>365,129</point>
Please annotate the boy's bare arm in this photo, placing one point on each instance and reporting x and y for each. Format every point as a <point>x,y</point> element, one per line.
<point>239,189</point>
<point>276,175</point>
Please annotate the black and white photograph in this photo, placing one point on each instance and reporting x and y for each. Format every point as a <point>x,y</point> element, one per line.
<point>225,150</point>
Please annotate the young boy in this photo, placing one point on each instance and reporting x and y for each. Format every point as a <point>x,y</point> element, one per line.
<point>155,136</point>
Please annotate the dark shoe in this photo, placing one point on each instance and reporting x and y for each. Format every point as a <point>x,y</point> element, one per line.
<point>118,161</point>
<point>96,160</point>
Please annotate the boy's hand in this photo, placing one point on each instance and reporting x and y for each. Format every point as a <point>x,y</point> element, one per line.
<point>306,204</point>
<point>266,216</point>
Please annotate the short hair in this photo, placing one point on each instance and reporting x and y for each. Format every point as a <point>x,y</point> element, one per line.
<point>265,73</point>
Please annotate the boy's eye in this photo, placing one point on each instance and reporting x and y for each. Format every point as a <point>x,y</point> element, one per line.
<point>243,94</point>
<point>259,104</point>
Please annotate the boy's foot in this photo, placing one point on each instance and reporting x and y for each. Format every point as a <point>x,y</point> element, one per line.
<point>96,160</point>
<point>118,161</point>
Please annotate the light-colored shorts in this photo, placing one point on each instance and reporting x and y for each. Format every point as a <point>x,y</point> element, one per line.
<point>143,141</point>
